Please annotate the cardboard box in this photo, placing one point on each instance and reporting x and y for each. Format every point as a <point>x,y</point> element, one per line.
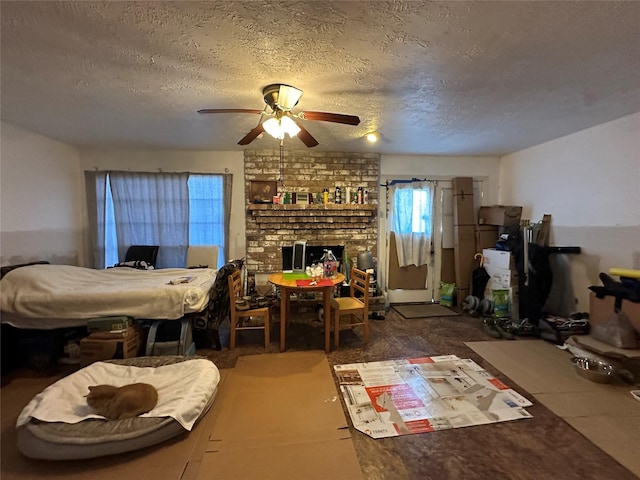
<point>464,250</point>
<point>107,324</point>
<point>462,186</point>
<point>501,215</point>
<point>494,258</point>
<point>501,277</point>
<point>463,212</point>
<point>600,309</point>
<point>486,236</point>
<point>96,349</point>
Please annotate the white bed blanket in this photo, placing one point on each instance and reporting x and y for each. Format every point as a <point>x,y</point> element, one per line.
<point>64,291</point>
<point>183,391</point>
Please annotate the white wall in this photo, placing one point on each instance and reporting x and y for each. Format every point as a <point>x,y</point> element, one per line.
<point>424,166</point>
<point>40,198</point>
<point>180,161</point>
<point>590,184</point>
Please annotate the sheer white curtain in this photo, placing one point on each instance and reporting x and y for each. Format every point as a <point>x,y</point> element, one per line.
<point>152,209</point>
<point>411,220</point>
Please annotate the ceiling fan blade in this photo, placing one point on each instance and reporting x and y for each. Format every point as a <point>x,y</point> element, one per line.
<point>306,137</point>
<point>330,117</point>
<point>229,110</point>
<point>252,135</point>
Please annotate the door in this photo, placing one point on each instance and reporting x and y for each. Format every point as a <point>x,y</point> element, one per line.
<point>440,263</point>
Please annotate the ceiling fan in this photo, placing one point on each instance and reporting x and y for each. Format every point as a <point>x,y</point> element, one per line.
<point>280,99</point>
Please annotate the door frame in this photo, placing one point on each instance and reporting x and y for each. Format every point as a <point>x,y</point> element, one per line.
<point>442,237</point>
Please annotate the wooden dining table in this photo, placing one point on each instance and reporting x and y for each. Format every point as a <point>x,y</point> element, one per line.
<point>289,283</point>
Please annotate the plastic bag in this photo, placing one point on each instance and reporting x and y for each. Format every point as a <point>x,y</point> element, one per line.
<point>446,294</point>
<point>616,330</point>
<point>500,303</point>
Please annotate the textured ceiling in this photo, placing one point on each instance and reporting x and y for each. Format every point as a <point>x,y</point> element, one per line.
<point>440,78</point>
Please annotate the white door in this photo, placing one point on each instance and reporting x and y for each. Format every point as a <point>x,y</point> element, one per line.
<point>443,238</point>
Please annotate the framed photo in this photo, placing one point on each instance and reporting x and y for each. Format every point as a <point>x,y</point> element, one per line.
<point>302,198</point>
<point>262,191</point>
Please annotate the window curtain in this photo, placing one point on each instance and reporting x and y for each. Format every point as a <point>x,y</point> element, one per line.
<point>95,187</point>
<point>152,209</point>
<point>412,220</point>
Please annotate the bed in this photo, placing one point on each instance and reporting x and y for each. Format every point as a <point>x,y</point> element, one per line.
<point>58,425</point>
<point>44,296</point>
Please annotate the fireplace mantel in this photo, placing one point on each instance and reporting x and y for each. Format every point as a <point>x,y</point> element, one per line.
<point>277,216</point>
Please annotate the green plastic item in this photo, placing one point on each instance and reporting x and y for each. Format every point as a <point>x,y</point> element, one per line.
<point>446,293</point>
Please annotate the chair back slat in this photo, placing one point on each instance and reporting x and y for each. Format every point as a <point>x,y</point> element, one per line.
<point>360,283</point>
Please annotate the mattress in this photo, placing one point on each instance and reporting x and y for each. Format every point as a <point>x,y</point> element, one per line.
<point>58,296</point>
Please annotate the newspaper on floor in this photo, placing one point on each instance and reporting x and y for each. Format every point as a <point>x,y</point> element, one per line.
<point>418,395</point>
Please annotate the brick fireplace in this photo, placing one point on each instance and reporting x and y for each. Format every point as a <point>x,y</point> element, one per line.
<point>270,227</point>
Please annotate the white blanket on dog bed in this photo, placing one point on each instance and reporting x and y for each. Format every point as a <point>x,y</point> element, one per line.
<point>183,391</point>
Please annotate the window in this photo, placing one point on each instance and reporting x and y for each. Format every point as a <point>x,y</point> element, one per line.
<point>166,209</point>
<point>412,211</point>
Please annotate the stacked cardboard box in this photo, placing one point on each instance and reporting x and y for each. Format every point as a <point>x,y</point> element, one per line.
<point>501,267</point>
<point>500,215</point>
<point>464,241</point>
<point>109,338</point>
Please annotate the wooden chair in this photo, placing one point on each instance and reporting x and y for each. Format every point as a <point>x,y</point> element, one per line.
<point>236,292</point>
<point>357,308</point>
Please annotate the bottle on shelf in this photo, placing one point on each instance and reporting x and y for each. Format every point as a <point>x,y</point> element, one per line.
<point>365,198</point>
<point>360,196</point>
<point>325,196</point>
<point>338,196</point>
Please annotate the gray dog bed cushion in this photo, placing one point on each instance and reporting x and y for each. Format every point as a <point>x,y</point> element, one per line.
<point>99,437</point>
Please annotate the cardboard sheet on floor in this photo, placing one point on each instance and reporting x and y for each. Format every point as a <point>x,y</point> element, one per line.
<point>279,416</point>
<point>606,414</point>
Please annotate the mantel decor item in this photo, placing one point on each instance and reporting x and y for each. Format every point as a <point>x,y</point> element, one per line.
<point>263,191</point>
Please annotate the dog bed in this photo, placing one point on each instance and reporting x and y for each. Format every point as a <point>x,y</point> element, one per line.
<point>52,427</point>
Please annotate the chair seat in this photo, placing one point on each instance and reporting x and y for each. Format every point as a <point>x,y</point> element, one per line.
<point>344,304</point>
<point>253,312</point>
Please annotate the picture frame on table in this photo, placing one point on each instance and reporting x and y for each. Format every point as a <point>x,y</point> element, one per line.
<point>263,191</point>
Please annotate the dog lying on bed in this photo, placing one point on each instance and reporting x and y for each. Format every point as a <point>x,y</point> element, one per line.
<point>128,401</point>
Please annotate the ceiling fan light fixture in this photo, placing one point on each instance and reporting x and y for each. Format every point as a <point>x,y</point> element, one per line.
<point>273,128</point>
<point>277,128</point>
<point>281,97</point>
<point>289,126</point>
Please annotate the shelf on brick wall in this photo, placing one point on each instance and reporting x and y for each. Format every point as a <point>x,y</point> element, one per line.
<point>278,216</point>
